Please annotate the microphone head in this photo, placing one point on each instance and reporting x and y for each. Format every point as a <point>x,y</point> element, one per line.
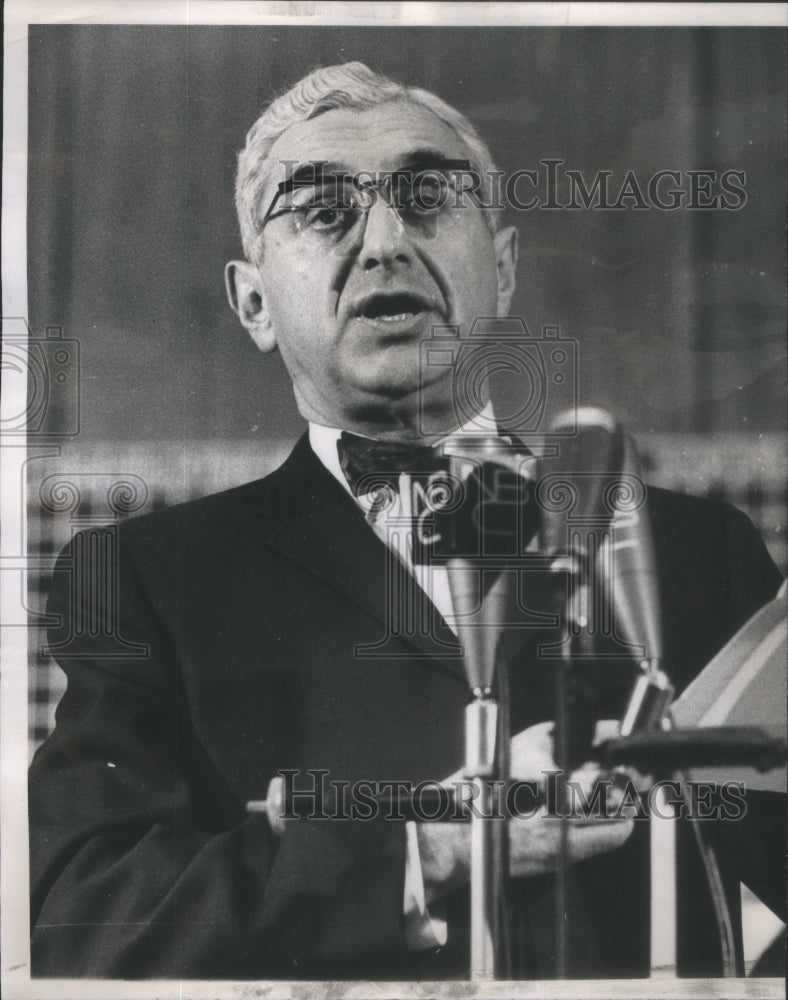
<point>480,533</point>
<point>627,565</point>
<point>479,505</point>
<point>592,494</point>
<point>483,602</point>
<point>574,485</point>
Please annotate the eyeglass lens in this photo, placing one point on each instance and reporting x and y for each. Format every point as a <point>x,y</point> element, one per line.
<point>329,205</point>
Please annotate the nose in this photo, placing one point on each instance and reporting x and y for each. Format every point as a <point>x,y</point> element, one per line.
<point>385,240</point>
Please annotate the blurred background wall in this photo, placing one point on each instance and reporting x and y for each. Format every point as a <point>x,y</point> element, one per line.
<point>678,315</point>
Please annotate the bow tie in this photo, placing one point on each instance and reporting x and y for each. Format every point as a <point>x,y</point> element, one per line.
<point>368,464</point>
<point>372,468</point>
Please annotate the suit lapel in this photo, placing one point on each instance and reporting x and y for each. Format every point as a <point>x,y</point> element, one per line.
<point>321,530</point>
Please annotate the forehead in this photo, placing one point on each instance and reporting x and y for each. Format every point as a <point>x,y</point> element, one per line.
<point>376,139</point>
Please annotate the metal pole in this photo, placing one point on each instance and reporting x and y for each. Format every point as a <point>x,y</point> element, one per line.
<point>481,731</point>
<point>663,887</point>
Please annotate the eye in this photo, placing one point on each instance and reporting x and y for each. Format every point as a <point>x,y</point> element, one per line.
<point>426,194</point>
<point>327,209</point>
<point>326,218</point>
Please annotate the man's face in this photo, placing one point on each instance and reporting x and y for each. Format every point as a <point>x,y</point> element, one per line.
<point>349,315</point>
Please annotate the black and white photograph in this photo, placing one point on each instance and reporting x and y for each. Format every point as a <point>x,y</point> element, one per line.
<point>393,500</point>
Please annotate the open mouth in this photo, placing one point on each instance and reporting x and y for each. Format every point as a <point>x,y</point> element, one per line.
<point>393,308</point>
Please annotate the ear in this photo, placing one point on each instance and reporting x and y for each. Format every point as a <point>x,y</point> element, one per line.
<point>247,300</point>
<point>505,242</point>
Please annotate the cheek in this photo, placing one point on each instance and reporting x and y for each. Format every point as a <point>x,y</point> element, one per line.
<point>467,254</point>
<point>298,293</point>
<point>475,285</point>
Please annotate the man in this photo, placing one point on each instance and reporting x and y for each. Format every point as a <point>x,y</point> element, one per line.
<point>245,617</point>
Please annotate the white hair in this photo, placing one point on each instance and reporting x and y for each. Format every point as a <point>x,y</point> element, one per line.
<point>348,85</point>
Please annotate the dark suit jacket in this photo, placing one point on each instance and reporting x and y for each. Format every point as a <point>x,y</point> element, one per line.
<point>221,644</point>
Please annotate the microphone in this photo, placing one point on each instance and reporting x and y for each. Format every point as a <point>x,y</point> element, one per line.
<point>628,574</point>
<point>573,486</point>
<point>481,519</point>
<point>600,532</point>
<point>485,525</point>
<point>574,496</point>
<point>480,615</point>
<point>627,567</point>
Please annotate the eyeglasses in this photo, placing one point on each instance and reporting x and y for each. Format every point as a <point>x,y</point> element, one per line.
<point>327,206</point>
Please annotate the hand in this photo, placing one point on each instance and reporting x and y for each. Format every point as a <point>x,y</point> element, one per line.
<point>534,841</point>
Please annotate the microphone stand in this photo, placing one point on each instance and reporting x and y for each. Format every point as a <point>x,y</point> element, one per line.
<point>648,711</point>
<point>481,608</point>
<point>486,765</point>
<point>482,727</point>
<point>573,731</point>
<point>578,494</point>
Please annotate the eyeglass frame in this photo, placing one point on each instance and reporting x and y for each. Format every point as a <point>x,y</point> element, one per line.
<point>385,181</point>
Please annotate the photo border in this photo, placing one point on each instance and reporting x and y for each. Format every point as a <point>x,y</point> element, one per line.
<point>14,454</point>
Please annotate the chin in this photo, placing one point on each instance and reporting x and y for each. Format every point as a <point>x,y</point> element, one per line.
<point>402,396</point>
<point>388,390</point>
<point>391,374</point>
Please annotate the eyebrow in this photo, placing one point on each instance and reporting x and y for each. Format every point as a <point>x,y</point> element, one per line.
<point>430,159</point>
<point>313,171</point>
<point>310,172</point>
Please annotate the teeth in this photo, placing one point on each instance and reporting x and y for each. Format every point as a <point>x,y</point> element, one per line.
<point>397,317</point>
